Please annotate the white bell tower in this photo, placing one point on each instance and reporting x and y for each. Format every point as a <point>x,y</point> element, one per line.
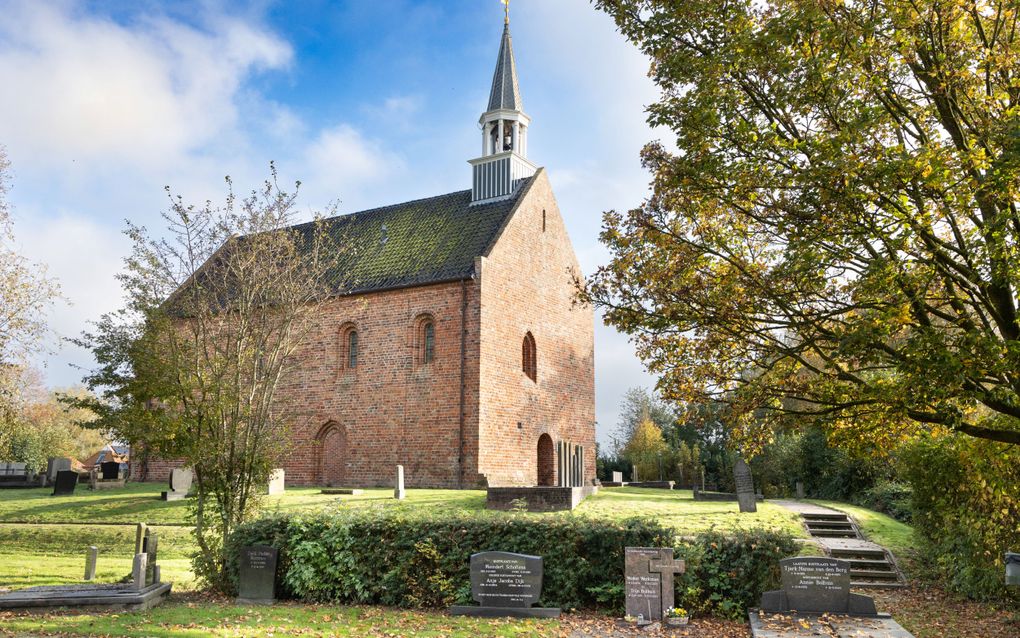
<point>503,164</point>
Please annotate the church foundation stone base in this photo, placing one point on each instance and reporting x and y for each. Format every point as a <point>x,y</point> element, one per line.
<point>537,499</point>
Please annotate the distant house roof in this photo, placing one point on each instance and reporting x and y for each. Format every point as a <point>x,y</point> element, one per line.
<point>420,242</point>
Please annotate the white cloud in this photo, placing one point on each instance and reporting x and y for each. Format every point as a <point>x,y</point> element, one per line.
<point>90,89</point>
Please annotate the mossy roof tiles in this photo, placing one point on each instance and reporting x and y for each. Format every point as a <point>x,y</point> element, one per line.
<point>415,243</point>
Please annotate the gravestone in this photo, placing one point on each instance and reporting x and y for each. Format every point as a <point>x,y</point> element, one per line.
<point>703,479</point>
<point>617,477</point>
<point>140,531</point>
<point>139,571</point>
<point>815,585</point>
<point>111,470</point>
<point>800,489</point>
<point>745,487</point>
<point>505,584</point>
<point>90,562</point>
<point>256,582</point>
<point>398,490</point>
<point>276,485</point>
<point>56,464</point>
<point>648,580</point>
<point>65,483</point>
<point>150,547</point>
<point>180,484</point>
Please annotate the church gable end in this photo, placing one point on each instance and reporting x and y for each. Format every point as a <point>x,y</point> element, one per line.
<point>527,305</point>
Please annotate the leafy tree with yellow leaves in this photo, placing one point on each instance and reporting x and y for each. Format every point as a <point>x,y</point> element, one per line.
<point>836,236</point>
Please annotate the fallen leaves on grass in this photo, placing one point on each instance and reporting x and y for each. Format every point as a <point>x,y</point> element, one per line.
<point>932,613</point>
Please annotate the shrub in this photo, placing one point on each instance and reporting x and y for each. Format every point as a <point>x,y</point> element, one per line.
<point>414,558</point>
<point>889,497</point>
<point>727,573</point>
<point>966,511</point>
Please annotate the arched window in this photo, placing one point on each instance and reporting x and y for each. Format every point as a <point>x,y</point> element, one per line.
<point>349,339</point>
<point>529,361</point>
<point>424,340</point>
<point>352,349</point>
<point>429,342</point>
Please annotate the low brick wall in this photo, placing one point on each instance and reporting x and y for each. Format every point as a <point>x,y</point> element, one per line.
<point>539,499</point>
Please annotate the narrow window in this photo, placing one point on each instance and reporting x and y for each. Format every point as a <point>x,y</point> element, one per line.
<point>352,349</point>
<point>528,357</point>
<point>429,344</point>
<point>543,220</point>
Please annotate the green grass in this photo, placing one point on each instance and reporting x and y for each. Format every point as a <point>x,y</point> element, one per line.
<point>222,619</point>
<point>43,538</point>
<point>878,528</point>
<point>678,509</point>
<point>139,502</point>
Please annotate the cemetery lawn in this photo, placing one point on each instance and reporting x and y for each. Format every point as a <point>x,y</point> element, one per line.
<point>43,538</point>
<point>220,618</point>
<point>139,503</point>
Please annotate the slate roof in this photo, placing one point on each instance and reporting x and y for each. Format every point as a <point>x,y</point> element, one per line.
<point>506,93</point>
<point>416,243</point>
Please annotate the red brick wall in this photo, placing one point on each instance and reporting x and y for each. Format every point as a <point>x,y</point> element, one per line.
<point>390,409</point>
<point>352,427</point>
<point>526,287</point>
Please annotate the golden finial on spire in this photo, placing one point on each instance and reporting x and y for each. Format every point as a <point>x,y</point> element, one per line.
<point>506,7</point>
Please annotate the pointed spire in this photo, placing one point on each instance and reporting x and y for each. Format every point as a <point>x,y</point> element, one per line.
<point>506,93</point>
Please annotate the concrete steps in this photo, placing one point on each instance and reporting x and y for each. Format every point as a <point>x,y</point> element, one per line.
<point>870,565</point>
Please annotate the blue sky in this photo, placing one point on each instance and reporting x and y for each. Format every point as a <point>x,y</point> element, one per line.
<point>367,102</point>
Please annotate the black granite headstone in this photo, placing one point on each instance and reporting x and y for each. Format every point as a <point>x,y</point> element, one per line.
<point>505,584</point>
<point>111,470</point>
<point>65,483</point>
<point>816,586</point>
<point>257,580</point>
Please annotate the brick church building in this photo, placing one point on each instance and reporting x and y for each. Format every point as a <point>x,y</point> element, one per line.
<point>460,353</point>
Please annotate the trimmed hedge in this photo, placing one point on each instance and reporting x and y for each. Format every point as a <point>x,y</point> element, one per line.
<point>407,558</point>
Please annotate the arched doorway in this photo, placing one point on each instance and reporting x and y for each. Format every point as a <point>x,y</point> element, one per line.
<point>546,461</point>
<point>332,454</point>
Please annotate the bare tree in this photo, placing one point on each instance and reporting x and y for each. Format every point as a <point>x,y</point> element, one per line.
<point>192,365</point>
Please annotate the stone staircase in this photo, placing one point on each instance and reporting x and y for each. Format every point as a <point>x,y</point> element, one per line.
<point>871,566</point>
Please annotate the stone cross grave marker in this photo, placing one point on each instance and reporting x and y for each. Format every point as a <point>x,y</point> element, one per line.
<point>815,585</point>
<point>181,479</point>
<point>745,487</point>
<point>90,562</point>
<point>505,584</point>
<point>648,573</point>
<point>66,481</point>
<point>617,477</point>
<point>111,470</point>
<point>257,579</point>
<point>398,490</point>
